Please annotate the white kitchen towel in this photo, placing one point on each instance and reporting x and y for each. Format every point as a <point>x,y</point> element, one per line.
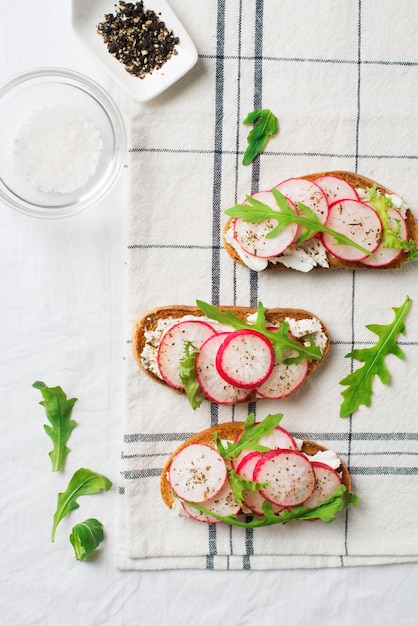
<point>342,79</point>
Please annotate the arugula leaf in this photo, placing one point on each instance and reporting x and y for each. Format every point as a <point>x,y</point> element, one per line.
<point>266,125</point>
<point>360,382</point>
<point>188,376</point>
<point>279,338</point>
<point>58,411</point>
<point>86,537</point>
<point>255,212</point>
<point>390,238</point>
<point>326,511</point>
<point>84,482</point>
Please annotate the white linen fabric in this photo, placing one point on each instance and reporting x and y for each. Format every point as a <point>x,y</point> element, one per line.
<point>341,79</point>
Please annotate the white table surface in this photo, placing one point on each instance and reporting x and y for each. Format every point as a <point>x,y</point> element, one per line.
<point>49,269</point>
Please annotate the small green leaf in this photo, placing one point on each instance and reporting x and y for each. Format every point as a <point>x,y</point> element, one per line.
<point>359,383</point>
<point>265,126</point>
<point>188,375</point>
<point>58,411</point>
<point>84,482</point>
<point>86,537</point>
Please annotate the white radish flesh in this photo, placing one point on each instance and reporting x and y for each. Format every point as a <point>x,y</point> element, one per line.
<point>211,383</point>
<point>253,237</point>
<point>308,193</point>
<point>290,476</point>
<point>279,438</point>
<point>336,188</point>
<point>172,346</point>
<point>197,473</point>
<point>223,503</point>
<point>357,221</point>
<point>254,501</point>
<point>383,256</point>
<point>327,481</point>
<point>245,358</point>
<point>284,378</point>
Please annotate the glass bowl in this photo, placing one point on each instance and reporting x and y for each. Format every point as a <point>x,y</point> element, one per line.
<point>63,143</point>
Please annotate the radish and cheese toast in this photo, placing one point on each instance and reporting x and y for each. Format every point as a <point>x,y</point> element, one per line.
<point>230,471</point>
<point>328,220</point>
<point>229,355</point>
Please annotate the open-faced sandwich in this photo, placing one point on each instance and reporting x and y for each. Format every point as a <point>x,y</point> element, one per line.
<point>328,220</point>
<point>229,355</point>
<point>236,469</point>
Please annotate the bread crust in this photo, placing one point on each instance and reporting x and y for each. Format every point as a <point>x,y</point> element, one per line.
<point>358,182</point>
<point>149,321</point>
<point>229,431</point>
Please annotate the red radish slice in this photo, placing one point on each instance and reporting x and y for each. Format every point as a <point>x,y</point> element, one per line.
<point>384,256</point>
<point>336,188</point>
<point>254,501</point>
<point>309,193</point>
<point>197,473</point>
<point>211,383</point>
<point>279,438</point>
<point>224,503</point>
<point>327,481</point>
<point>359,222</point>
<point>221,328</point>
<point>290,476</point>
<point>252,237</point>
<point>284,378</point>
<point>245,358</point>
<point>171,348</point>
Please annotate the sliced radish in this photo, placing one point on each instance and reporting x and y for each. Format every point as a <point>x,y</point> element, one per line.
<point>253,237</point>
<point>254,501</point>
<point>309,193</point>
<point>336,188</point>
<point>211,383</point>
<point>245,358</point>
<point>327,481</point>
<point>290,476</point>
<point>172,345</point>
<point>197,473</point>
<point>384,256</point>
<point>284,378</point>
<point>223,503</point>
<point>279,438</point>
<point>359,222</point>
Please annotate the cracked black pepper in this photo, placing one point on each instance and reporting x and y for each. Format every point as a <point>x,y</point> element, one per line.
<point>138,38</point>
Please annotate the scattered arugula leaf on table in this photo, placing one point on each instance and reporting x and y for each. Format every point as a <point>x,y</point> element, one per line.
<point>278,337</point>
<point>58,411</point>
<point>266,125</point>
<point>359,383</point>
<point>255,211</point>
<point>86,537</point>
<point>84,482</point>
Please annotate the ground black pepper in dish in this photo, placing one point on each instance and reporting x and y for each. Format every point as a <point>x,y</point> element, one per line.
<point>137,38</point>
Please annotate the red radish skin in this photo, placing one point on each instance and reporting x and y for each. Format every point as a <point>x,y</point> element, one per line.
<point>224,503</point>
<point>197,473</point>
<point>384,256</point>
<point>359,222</point>
<point>245,358</point>
<point>327,481</point>
<point>336,188</point>
<point>290,476</point>
<point>252,237</point>
<point>172,345</point>
<point>211,383</point>
<point>308,193</point>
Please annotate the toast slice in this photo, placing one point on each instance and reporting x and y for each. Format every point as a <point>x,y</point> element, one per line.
<point>146,336</point>
<point>360,183</point>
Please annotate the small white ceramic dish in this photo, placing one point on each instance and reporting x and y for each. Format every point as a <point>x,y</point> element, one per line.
<point>86,16</point>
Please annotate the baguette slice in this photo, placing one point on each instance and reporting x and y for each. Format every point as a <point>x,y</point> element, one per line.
<point>359,182</point>
<point>148,323</point>
<point>230,431</point>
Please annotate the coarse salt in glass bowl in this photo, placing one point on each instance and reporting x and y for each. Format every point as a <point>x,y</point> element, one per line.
<point>63,143</point>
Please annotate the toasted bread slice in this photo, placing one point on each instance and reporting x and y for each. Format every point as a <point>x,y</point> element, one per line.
<point>359,182</point>
<point>229,431</point>
<point>149,322</point>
